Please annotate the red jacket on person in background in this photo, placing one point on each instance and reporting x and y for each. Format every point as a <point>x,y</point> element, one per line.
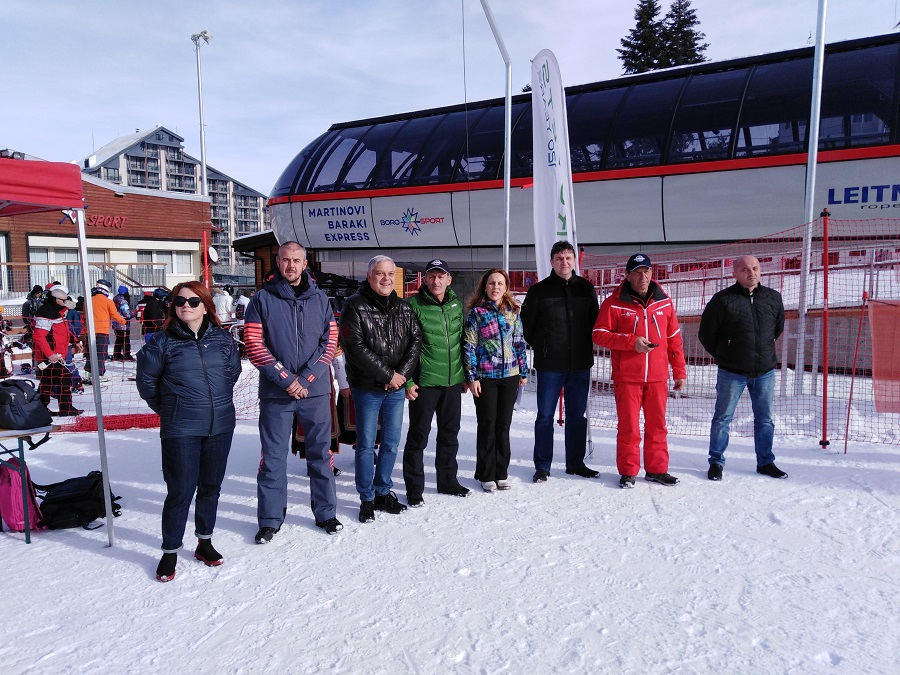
<point>51,331</point>
<point>623,317</point>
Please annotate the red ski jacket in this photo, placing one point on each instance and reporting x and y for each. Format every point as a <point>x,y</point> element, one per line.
<point>623,317</point>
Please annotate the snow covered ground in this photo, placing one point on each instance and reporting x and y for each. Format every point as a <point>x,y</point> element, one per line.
<point>750,575</point>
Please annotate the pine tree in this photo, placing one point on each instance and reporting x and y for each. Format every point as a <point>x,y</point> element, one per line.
<point>683,41</point>
<point>643,47</point>
<point>656,43</point>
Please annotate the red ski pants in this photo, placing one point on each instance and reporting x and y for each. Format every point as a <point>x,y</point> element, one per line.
<point>631,397</point>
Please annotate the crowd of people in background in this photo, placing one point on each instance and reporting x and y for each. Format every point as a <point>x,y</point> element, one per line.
<point>114,316</point>
<point>386,351</point>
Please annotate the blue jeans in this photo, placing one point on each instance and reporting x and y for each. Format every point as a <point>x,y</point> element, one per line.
<point>549,385</point>
<point>729,387</point>
<point>373,474</point>
<point>192,464</point>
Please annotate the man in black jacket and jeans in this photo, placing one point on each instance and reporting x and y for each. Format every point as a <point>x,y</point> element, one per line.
<point>558,318</point>
<point>382,339</point>
<point>739,327</point>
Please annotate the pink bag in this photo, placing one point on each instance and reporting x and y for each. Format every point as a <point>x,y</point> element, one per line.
<point>11,498</point>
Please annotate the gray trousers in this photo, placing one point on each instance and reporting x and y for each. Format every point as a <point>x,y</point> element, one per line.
<point>276,417</point>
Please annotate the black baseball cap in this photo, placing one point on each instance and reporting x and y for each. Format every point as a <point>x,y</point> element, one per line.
<point>635,261</point>
<point>437,264</point>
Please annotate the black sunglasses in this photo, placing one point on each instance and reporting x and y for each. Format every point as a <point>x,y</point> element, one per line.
<point>181,301</point>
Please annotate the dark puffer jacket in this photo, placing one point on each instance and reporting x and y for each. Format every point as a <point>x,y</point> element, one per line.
<point>558,319</point>
<point>740,330</point>
<point>380,335</point>
<point>440,364</point>
<point>152,315</point>
<point>189,381</point>
<point>291,333</point>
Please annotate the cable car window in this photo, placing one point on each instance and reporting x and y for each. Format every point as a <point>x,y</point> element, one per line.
<point>859,90</point>
<point>482,155</point>
<point>404,151</point>
<point>591,115</point>
<point>706,117</point>
<point>441,151</point>
<point>639,137</point>
<point>368,156</point>
<point>775,113</point>
<point>521,140</point>
<point>330,164</point>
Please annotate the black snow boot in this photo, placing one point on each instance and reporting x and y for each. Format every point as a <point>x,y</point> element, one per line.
<point>206,554</point>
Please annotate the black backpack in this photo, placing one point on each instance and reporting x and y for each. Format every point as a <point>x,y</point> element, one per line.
<point>75,502</point>
<point>21,408</point>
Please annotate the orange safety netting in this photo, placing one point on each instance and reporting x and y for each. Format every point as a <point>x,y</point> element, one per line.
<point>884,318</point>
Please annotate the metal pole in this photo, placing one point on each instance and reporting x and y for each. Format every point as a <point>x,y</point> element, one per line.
<point>196,38</point>
<point>95,370</point>
<point>862,313</point>
<point>825,269</point>
<point>812,135</point>
<point>507,130</point>
<point>206,275</point>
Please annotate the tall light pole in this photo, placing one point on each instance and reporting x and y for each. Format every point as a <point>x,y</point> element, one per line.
<point>507,128</point>
<point>812,137</point>
<point>196,38</point>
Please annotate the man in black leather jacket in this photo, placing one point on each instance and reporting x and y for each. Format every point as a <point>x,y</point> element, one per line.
<point>739,327</point>
<point>382,339</point>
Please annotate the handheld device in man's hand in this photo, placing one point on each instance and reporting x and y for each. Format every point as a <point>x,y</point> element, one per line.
<point>653,345</point>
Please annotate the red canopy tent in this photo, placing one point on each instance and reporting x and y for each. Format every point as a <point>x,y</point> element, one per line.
<point>31,187</point>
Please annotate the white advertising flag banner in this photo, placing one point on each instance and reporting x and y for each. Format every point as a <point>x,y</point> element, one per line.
<point>554,208</point>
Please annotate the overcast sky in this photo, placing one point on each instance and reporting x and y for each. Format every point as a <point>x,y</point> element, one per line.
<point>76,75</point>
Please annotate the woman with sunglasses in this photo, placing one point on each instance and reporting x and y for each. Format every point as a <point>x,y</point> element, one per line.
<point>187,373</point>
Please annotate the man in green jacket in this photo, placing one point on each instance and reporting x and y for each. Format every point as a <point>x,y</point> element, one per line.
<point>436,386</point>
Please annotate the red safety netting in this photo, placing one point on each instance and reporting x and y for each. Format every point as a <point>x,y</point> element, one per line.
<point>856,257</point>
<point>836,395</point>
<point>122,407</point>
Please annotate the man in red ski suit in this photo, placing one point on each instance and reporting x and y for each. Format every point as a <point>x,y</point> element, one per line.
<point>637,323</point>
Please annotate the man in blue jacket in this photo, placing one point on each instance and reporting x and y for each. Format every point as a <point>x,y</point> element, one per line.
<point>290,336</point>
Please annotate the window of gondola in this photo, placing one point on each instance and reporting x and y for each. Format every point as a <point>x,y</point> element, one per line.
<point>706,117</point>
<point>642,126</point>
<point>591,115</point>
<point>859,91</point>
<point>775,113</point>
